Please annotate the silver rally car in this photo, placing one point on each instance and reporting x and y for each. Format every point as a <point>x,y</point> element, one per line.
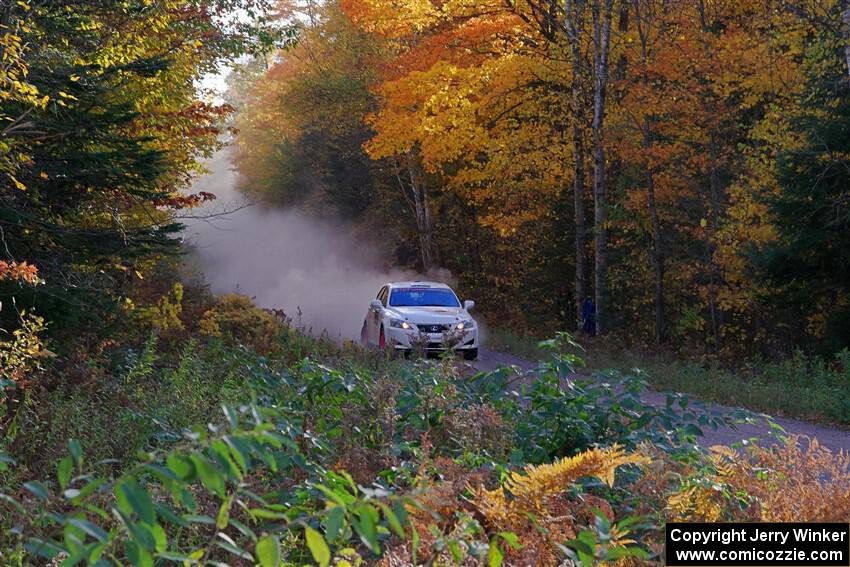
<point>405,315</point>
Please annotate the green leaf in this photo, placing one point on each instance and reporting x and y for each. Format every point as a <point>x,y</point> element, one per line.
<point>76,451</point>
<point>9,500</point>
<point>137,555</point>
<point>232,417</point>
<point>414,543</point>
<point>231,547</point>
<point>37,488</point>
<point>454,549</point>
<point>132,497</point>
<point>617,553</point>
<point>167,476</point>
<point>76,556</point>
<point>268,551</point>
<point>141,533</point>
<point>171,556</point>
<point>245,530</point>
<point>511,538</point>
<point>180,466</point>
<point>168,515</point>
<point>160,537</point>
<point>585,545</point>
<point>86,490</point>
<point>495,555</point>
<point>341,497</point>
<point>318,547</point>
<point>267,514</point>
<point>691,429</point>
<point>6,459</point>
<point>366,530</point>
<point>333,522</point>
<point>95,552</point>
<point>63,471</point>
<point>182,495</point>
<point>240,453</point>
<point>392,520</point>
<point>45,548</point>
<point>222,453</point>
<point>223,517</point>
<point>210,476</point>
<point>92,529</point>
<point>199,519</point>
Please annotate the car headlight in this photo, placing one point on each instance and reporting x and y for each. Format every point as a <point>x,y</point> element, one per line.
<point>400,324</point>
<point>465,325</point>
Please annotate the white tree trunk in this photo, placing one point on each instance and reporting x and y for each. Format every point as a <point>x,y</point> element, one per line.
<point>415,193</point>
<point>573,24</point>
<point>423,218</point>
<point>602,17</point>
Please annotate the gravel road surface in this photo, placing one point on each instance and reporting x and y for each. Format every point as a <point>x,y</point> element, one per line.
<point>834,438</point>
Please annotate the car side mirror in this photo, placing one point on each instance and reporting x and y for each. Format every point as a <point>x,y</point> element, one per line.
<point>468,305</point>
<point>376,304</point>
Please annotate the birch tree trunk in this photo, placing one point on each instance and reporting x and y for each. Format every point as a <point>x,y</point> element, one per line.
<point>602,16</point>
<point>573,23</point>
<point>415,192</point>
<point>712,225</point>
<point>423,220</point>
<point>657,246</point>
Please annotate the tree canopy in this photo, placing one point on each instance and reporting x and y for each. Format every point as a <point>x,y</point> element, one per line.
<point>544,163</point>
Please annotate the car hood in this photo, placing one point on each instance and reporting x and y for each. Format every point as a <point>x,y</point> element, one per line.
<point>429,315</point>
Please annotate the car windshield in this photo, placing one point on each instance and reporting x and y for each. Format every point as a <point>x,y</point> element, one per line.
<point>422,297</point>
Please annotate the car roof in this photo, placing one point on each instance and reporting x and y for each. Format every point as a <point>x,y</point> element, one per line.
<point>437,285</point>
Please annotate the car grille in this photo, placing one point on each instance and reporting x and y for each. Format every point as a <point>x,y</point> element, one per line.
<point>433,328</point>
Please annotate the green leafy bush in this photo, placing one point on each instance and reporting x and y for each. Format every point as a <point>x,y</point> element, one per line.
<point>307,461</point>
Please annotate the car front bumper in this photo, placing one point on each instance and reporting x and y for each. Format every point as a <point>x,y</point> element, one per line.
<point>410,339</point>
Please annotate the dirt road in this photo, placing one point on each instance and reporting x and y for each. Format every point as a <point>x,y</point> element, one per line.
<point>834,438</point>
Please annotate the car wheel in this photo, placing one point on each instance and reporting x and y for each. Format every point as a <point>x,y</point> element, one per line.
<point>470,354</point>
<point>382,340</point>
<point>364,335</point>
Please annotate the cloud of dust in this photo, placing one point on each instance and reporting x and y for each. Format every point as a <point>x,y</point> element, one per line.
<point>285,259</point>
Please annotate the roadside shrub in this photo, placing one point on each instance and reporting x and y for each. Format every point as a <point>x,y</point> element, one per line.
<point>235,317</point>
<point>352,457</point>
<point>163,316</point>
<point>22,359</point>
<point>806,386</point>
<point>21,351</point>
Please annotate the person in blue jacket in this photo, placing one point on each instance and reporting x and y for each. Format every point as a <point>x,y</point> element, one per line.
<point>588,316</point>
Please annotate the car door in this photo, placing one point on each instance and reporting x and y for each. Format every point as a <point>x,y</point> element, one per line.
<point>373,317</point>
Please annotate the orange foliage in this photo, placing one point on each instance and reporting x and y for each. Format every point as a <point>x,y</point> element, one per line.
<point>20,271</point>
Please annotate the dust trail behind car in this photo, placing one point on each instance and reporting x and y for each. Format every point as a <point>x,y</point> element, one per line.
<point>285,258</point>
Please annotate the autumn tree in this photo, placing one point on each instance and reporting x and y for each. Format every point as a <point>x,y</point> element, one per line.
<point>488,118</point>
<point>809,262</point>
<point>102,125</point>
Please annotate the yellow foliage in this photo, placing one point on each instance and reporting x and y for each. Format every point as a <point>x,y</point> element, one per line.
<point>539,492</point>
<point>208,326</point>
<point>20,355</point>
<point>236,317</point>
<point>165,314</point>
<point>784,483</point>
<point>528,490</point>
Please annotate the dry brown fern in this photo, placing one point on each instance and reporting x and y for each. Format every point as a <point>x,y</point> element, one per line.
<point>790,482</point>
<point>534,503</point>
